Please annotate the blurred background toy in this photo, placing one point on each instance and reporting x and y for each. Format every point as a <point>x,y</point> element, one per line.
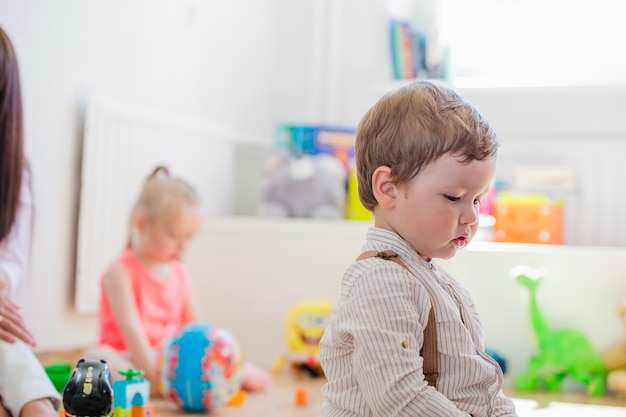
<point>302,397</point>
<point>528,218</point>
<point>497,357</point>
<point>306,323</point>
<point>59,373</point>
<point>308,186</point>
<point>561,352</point>
<point>201,367</point>
<point>354,208</point>
<point>88,391</point>
<point>237,399</point>
<point>615,359</point>
<point>132,395</point>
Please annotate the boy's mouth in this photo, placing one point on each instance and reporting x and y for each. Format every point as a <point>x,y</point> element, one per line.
<point>460,241</point>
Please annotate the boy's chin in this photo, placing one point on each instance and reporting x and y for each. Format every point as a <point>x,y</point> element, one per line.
<point>448,252</point>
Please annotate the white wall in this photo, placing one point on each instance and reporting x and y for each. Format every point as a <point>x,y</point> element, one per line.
<point>216,61</point>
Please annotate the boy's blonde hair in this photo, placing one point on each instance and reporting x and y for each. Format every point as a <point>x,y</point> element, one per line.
<point>411,127</point>
<point>162,193</point>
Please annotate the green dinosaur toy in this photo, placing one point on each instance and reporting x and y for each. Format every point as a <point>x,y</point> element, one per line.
<point>562,352</point>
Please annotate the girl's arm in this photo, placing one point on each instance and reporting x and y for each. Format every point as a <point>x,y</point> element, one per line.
<point>191,312</point>
<point>116,284</point>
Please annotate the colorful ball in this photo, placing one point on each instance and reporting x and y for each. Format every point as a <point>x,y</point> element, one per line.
<point>201,367</point>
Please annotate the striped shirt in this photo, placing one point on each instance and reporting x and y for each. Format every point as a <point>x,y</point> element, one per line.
<point>370,351</point>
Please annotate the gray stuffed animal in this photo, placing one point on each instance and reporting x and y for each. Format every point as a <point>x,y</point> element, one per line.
<point>309,186</point>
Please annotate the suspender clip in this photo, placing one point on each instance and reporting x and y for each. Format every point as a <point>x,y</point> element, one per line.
<point>386,255</point>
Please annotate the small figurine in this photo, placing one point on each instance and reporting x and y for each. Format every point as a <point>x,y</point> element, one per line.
<point>302,397</point>
<point>306,324</point>
<point>88,393</point>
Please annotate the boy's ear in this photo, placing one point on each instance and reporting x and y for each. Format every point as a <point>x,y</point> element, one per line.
<point>384,187</point>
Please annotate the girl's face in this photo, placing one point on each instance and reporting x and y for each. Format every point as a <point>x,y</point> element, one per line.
<point>166,239</point>
<point>437,211</point>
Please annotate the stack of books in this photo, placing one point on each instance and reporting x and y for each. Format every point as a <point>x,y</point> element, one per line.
<point>408,50</point>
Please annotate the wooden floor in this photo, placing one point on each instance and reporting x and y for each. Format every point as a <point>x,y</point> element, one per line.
<point>280,399</point>
<point>72,356</point>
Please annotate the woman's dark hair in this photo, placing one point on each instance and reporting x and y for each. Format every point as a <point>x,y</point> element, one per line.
<point>12,160</point>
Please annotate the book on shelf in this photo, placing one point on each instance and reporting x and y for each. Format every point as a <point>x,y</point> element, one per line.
<point>408,50</point>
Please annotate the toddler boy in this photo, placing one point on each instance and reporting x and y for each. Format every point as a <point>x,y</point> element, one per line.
<point>424,159</point>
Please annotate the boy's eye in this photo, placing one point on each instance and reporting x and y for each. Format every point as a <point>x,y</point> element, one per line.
<point>452,198</point>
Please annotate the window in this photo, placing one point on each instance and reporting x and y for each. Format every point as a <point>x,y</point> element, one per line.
<point>540,42</point>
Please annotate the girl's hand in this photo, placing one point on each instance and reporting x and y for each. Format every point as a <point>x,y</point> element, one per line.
<point>12,326</point>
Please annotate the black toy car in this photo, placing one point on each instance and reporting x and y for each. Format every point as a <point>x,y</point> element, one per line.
<point>88,391</point>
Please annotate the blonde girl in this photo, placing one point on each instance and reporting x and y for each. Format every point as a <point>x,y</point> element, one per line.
<point>145,291</point>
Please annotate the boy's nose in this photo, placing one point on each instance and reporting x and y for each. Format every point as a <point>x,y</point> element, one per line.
<point>469,216</point>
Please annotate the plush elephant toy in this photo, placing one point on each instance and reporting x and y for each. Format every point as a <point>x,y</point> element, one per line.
<point>308,186</point>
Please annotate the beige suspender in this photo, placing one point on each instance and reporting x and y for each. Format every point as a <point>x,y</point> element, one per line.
<point>429,350</point>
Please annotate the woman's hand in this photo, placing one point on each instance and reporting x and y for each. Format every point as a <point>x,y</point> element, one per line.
<point>12,326</point>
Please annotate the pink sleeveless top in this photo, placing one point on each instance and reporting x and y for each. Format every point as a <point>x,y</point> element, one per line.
<point>160,304</point>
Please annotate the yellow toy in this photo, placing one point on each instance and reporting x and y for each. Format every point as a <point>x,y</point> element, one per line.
<point>306,323</point>
<point>354,208</point>
<point>615,360</point>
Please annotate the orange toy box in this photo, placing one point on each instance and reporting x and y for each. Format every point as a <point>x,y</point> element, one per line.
<point>528,218</point>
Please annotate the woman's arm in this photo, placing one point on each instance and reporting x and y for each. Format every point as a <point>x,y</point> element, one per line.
<point>12,326</point>
<point>13,256</point>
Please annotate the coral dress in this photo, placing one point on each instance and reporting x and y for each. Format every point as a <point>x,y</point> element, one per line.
<point>160,303</point>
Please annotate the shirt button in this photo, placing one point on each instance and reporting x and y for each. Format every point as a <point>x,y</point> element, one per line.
<point>405,344</point>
